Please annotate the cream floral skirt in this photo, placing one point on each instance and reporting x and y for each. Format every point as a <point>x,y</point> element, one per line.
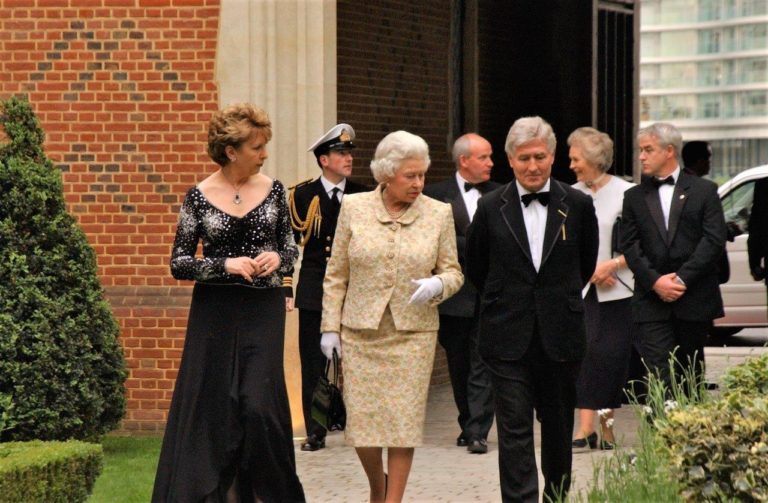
<point>386,383</point>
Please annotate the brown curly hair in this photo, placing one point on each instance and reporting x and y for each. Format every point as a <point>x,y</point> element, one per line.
<point>233,125</point>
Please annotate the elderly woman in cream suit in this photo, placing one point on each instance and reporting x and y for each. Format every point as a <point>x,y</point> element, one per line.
<point>393,261</point>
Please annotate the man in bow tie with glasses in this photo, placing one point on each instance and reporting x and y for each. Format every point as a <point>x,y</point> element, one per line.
<point>672,236</point>
<point>458,319</point>
<point>531,248</point>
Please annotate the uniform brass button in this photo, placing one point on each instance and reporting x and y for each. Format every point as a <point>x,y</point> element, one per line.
<point>391,240</point>
<point>394,227</point>
<point>327,248</point>
<point>327,259</point>
<point>391,255</point>
<point>327,238</point>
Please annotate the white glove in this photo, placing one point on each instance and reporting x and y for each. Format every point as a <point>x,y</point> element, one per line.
<point>428,288</point>
<point>328,342</point>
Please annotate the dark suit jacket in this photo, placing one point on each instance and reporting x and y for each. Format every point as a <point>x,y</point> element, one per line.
<point>515,300</point>
<point>692,248</point>
<point>757,242</point>
<point>463,303</point>
<point>317,250</point>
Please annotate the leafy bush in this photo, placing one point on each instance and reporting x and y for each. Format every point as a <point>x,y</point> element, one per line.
<point>748,377</point>
<point>61,368</point>
<point>48,472</point>
<point>719,449</point>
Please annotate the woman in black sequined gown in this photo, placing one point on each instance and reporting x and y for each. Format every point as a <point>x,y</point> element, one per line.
<point>229,435</point>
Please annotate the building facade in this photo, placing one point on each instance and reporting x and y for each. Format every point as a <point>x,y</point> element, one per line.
<point>704,68</point>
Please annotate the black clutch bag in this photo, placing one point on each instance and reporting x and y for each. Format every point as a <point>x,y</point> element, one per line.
<point>327,403</point>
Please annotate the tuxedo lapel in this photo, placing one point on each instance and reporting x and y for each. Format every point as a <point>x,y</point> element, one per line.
<point>512,214</point>
<point>460,213</point>
<point>679,197</point>
<point>653,202</point>
<point>557,211</point>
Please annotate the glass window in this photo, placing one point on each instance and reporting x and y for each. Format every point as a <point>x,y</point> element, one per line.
<point>678,43</point>
<point>709,41</point>
<point>649,76</point>
<point>754,36</point>
<point>709,106</point>
<point>710,73</point>
<point>754,103</point>
<point>737,205</point>
<point>677,75</point>
<point>649,12</point>
<point>649,45</point>
<point>709,10</point>
<point>677,11</point>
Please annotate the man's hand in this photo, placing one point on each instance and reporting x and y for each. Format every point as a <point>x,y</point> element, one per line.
<point>668,289</point>
<point>289,304</point>
<point>758,273</point>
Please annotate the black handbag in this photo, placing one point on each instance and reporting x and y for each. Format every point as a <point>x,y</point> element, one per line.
<point>327,403</point>
<point>615,246</point>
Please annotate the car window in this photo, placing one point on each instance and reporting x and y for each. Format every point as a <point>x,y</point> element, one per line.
<point>737,205</point>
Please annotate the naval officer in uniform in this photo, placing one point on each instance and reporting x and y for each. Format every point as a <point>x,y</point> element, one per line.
<point>314,206</point>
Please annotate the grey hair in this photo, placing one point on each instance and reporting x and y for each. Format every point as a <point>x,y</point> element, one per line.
<point>596,146</point>
<point>461,147</point>
<point>666,134</point>
<point>526,129</point>
<point>395,148</point>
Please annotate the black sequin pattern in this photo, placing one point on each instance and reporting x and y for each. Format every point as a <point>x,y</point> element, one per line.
<point>265,228</point>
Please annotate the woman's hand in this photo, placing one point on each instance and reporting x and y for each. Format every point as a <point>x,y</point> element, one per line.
<point>329,342</point>
<point>267,263</point>
<point>242,266</point>
<point>605,273</point>
<point>289,304</point>
<point>426,289</point>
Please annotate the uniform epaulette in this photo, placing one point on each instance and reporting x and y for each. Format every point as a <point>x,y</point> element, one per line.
<point>300,183</point>
<point>311,222</point>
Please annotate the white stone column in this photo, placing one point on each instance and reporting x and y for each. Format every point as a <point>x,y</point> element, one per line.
<point>281,56</point>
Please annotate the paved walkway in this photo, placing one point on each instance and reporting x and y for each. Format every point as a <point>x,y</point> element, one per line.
<point>443,472</point>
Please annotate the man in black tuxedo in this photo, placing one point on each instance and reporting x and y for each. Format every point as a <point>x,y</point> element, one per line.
<point>531,248</point>
<point>673,236</point>
<point>458,319</point>
<point>757,242</point>
<point>314,207</point>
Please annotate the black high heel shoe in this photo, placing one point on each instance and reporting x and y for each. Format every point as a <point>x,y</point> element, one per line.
<point>582,443</point>
<point>607,445</point>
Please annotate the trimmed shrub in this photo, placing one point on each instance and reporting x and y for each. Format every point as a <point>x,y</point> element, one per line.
<point>748,377</point>
<point>62,370</point>
<point>48,472</point>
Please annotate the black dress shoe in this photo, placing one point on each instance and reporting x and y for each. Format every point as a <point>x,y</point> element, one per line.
<point>583,443</point>
<point>479,446</point>
<point>461,441</point>
<point>607,445</point>
<point>313,443</point>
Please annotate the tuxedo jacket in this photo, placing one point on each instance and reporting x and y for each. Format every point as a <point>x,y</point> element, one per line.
<point>515,299</point>
<point>317,249</point>
<point>691,247</point>
<point>463,303</point>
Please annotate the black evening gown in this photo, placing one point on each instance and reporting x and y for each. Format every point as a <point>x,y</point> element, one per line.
<point>229,422</point>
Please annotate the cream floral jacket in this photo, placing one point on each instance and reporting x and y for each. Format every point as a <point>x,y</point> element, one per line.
<point>374,258</point>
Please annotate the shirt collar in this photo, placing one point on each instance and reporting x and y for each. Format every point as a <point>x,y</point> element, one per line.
<point>675,174</point>
<point>328,186</point>
<point>461,181</point>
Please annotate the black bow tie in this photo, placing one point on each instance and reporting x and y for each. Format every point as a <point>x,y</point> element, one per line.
<point>543,198</point>
<point>658,183</point>
<point>469,186</point>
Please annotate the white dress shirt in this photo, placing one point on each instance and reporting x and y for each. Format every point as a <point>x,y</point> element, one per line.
<point>328,186</point>
<point>470,196</point>
<point>665,195</point>
<point>535,216</point>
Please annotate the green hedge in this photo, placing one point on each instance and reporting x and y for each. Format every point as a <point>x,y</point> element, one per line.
<point>719,448</point>
<point>48,472</point>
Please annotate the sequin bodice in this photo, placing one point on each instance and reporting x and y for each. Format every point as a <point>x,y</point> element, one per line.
<point>265,228</point>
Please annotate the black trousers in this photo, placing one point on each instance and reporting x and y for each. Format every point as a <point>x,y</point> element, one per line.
<point>454,335</point>
<point>549,387</point>
<point>479,393</point>
<point>312,365</point>
<point>659,339</point>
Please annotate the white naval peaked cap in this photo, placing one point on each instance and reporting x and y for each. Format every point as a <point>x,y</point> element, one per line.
<point>339,137</point>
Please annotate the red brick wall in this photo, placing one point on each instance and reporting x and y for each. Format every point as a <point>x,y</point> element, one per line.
<point>124,90</point>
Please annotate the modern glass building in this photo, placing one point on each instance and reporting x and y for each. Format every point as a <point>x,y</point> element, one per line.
<point>704,68</point>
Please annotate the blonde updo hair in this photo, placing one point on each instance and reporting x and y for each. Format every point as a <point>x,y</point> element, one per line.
<point>233,126</point>
<point>596,147</point>
<point>395,148</point>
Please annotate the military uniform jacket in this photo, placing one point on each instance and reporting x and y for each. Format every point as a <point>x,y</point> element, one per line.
<point>317,248</point>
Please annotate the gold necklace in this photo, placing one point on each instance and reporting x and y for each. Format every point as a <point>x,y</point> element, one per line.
<point>237,199</point>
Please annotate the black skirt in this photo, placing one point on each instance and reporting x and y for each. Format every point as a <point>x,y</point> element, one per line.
<point>229,418</point>
<point>606,364</point>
